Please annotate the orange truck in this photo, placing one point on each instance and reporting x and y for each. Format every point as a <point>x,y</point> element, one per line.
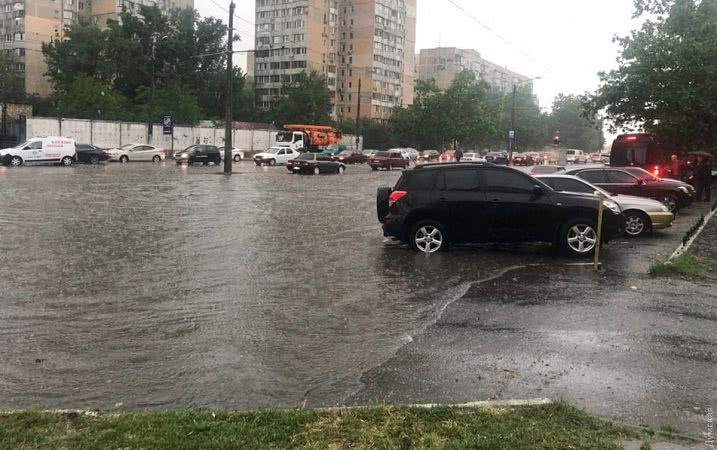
<point>307,138</point>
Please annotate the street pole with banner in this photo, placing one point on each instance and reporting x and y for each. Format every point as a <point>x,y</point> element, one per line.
<point>601,210</point>
<point>168,129</point>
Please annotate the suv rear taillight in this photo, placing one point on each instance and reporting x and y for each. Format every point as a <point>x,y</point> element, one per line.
<point>396,196</point>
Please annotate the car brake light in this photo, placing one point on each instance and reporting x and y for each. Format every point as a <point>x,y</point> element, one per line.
<point>656,172</point>
<point>396,196</point>
<point>631,138</point>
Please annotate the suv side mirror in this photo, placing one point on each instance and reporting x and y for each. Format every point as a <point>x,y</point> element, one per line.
<point>538,191</point>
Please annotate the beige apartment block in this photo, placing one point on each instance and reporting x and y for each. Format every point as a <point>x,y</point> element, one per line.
<point>442,64</point>
<point>366,43</point>
<point>26,24</point>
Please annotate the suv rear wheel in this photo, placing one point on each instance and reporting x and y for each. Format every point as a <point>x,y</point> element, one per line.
<point>579,237</point>
<point>428,236</point>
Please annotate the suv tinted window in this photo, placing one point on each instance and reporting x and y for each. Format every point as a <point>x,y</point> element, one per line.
<point>616,176</point>
<point>594,176</point>
<point>507,181</point>
<point>418,180</point>
<point>461,179</point>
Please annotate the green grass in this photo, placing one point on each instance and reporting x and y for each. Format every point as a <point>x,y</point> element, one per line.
<point>555,426</point>
<point>684,265</point>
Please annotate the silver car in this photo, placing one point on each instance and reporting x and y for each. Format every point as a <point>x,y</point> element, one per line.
<point>642,215</point>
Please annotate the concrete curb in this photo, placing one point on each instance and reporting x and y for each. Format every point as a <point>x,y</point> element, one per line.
<point>686,245</point>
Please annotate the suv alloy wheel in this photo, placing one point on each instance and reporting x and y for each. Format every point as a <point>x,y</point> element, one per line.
<point>428,236</point>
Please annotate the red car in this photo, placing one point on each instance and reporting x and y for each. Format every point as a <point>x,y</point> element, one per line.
<point>388,160</point>
<point>447,156</point>
<point>350,157</point>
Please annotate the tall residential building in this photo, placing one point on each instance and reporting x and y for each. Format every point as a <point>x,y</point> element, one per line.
<point>444,63</point>
<point>26,24</point>
<point>366,43</point>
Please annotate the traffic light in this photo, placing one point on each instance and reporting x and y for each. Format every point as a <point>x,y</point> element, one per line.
<point>556,138</point>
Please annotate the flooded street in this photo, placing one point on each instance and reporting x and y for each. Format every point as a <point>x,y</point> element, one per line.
<point>160,286</point>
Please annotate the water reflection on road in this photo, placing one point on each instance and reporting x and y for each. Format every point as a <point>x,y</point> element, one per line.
<point>154,285</point>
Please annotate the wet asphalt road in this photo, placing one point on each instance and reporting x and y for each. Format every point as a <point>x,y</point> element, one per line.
<point>160,286</point>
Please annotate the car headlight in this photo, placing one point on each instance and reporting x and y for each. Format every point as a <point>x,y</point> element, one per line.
<point>612,206</point>
<point>664,208</point>
<point>683,189</point>
<point>184,155</point>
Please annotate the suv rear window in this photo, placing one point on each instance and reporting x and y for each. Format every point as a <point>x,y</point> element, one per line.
<point>417,180</point>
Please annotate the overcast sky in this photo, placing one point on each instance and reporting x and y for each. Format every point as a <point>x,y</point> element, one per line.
<point>566,42</point>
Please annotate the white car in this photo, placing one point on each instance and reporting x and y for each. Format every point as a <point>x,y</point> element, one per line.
<point>576,157</point>
<point>237,155</point>
<point>50,149</point>
<point>136,152</point>
<point>276,156</point>
<point>472,157</point>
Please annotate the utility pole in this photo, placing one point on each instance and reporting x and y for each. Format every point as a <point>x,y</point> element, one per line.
<point>358,117</point>
<point>228,100</point>
<point>511,133</point>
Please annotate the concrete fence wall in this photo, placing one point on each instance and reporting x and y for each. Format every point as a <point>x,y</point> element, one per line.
<point>108,134</point>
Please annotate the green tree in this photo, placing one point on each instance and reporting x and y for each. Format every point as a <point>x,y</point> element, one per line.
<point>576,131</point>
<point>175,99</point>
<point>306,99</point>
<point>91,98</point>
<point>666,81</point>
<point>531,125</point>
<point>11,85</point>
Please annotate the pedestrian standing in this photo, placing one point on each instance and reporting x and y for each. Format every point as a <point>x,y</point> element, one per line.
<point>459,155</point>
<point>703,179</point>
<point>675,168</point>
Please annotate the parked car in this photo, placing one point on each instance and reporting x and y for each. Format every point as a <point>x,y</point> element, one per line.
<point>388,160</point>
<point>237,155</point>
<point>523,159</point>
<point>536,157</point>
<point>410,153</point>
<point>90,154</point>
<point>498,158</point>
<point>136,152</point>
<point>595,158</point>
<point>472,157</point>
<point>40,150</point>
<point>334,149</point>
<point>275,156</point>
<point>438,204</point>
<point>447,156</point>
<point>620,181</point>
<point>350,157</point>
<point>369,152</point>
<point>540,170</point>
<point>429,155</point>
<point>313,163</point>
<point>575,157</point>
<point>642,215</point>
<point>199,154</point>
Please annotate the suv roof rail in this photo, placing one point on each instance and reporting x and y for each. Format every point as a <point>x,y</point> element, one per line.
<point>453,164</point>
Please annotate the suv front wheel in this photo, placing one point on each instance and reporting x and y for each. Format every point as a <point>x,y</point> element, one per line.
<point>579,237</point>
<point>428,236</point>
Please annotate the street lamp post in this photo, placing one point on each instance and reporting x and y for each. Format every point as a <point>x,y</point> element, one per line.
<point>511,134</point>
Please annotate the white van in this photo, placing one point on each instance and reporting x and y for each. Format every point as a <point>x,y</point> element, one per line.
<point>51,149</point>
<point>576,157</point>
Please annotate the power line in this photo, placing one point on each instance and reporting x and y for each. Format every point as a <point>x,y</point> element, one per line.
<point>251,37</point>
<point>498,35</point>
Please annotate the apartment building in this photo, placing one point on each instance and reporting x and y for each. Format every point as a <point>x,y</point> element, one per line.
<point>26,24</point>
<point>364,48</point>
<point>444,63</point>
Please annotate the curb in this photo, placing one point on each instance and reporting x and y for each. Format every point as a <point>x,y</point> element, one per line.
<point>693,234</point>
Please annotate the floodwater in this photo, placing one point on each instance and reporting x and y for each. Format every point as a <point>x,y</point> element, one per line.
<point>159,286</point>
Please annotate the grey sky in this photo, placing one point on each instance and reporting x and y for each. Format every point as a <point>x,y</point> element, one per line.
<point>564,41</point>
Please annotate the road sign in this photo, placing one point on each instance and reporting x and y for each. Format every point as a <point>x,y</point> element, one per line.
<point>167,126</point>
<point>511,134</point>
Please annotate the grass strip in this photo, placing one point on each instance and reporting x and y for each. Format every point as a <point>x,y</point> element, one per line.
<point>553,426</point>
<point>684,265</point>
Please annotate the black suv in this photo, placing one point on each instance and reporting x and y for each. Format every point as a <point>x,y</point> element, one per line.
<point>438,204</point>
<point>199,154</point>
